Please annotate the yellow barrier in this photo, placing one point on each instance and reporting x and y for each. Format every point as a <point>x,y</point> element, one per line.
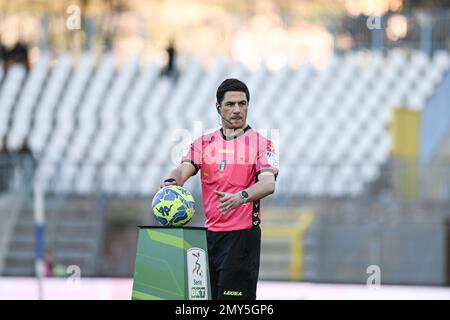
<point>405,133</point>
<point>295,232</point>
<point>405,136</point>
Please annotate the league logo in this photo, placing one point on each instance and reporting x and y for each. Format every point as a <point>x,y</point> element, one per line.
<point>272,159</point>
<point>197,274</point>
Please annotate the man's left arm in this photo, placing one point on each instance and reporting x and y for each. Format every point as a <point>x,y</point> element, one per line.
<point>264,187</point>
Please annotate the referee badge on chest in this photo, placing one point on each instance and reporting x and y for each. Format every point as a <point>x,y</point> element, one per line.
<point>222,164</point>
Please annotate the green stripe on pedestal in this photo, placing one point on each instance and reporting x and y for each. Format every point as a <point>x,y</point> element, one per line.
<point>169,239</point>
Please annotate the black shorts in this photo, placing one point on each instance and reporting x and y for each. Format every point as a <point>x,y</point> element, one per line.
<point>234,263</point>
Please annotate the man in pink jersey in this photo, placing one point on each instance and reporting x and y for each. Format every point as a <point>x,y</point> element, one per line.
<point>238,168</point>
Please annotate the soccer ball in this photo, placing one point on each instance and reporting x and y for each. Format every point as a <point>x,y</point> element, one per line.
<point>173,206</point>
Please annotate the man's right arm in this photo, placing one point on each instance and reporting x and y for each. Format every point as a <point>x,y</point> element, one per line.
<point>181,173</point>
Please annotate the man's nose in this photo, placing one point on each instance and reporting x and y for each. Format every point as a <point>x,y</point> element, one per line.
<point>236,108</point>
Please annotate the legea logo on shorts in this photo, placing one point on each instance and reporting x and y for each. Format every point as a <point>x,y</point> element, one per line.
<point>197,274</point>
<point>232,293</point>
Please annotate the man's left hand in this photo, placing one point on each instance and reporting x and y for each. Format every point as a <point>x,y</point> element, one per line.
<point>229,201</point>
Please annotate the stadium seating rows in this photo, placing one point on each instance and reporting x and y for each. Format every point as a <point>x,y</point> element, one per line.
<point>91,123</point>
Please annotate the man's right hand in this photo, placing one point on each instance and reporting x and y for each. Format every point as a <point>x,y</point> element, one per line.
<point>167,183</point>
<point>179,176</point>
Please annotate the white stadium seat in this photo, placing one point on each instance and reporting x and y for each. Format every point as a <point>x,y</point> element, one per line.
<point>95,125</point>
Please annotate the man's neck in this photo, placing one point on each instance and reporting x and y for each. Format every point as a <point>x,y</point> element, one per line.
<point>230,132</point>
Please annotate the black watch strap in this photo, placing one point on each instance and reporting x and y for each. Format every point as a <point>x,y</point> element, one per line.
<point>244,195</point>
<point>170,180</point>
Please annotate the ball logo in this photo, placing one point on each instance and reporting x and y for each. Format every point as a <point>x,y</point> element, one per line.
<point>197,274</point>
<point>165,210</point>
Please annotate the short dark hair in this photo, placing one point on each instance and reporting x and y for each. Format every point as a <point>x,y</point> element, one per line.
<point>231,85</point>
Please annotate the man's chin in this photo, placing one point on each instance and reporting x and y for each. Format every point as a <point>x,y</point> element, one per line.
<point>237,123</point>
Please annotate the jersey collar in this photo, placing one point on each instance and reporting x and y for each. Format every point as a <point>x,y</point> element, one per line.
<point>235,136</point>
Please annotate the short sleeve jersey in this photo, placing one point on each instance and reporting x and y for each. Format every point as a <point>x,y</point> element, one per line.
<point>231,165</point>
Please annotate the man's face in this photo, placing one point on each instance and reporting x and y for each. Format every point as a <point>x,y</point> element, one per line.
<point>234,108</point>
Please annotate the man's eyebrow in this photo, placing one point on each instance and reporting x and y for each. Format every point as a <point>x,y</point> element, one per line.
<point>233,102</point>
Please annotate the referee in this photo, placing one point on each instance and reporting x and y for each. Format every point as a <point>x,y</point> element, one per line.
<point>238,168</point>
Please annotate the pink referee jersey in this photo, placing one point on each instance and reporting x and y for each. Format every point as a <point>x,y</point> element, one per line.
<point>231,165</point>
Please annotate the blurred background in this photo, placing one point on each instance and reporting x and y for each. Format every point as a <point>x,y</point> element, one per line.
<point>98,100</point>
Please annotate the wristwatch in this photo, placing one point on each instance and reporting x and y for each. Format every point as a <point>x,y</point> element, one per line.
<point>244,195</point>
<point>170,180</point>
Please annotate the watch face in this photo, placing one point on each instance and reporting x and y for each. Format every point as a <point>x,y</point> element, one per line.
<point>245,194</point>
